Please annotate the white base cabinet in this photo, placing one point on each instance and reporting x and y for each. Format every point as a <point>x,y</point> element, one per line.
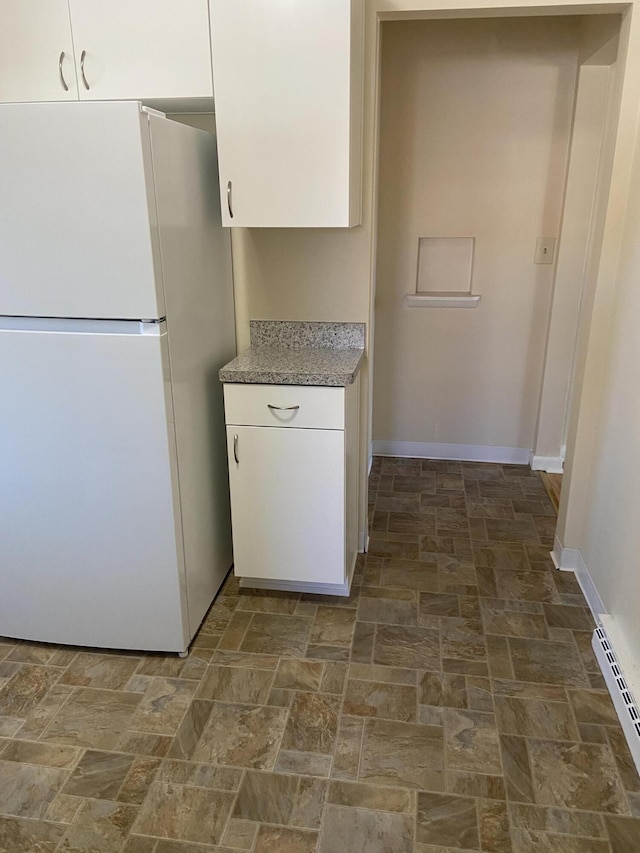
<point>293,478</point>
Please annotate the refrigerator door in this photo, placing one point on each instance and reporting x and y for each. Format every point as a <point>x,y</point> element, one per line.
<point>90,530</point>
<point>78,231</point>
<point>196,267</point>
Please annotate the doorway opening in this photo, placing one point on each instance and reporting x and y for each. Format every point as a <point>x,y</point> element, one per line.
<point>494,134</point>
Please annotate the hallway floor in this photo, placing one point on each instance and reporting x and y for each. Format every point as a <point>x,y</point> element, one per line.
<point>452,703</point>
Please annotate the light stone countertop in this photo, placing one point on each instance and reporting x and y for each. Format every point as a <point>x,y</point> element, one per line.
<point>290,353</point>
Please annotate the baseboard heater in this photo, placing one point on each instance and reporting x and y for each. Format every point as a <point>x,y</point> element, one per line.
<point>623,700</point>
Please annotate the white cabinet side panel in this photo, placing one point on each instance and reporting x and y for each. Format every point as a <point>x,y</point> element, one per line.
<point>196,262</point>
<point>143,49</point>
<point>75,221</point>
<point>36,51</point>
<point>281,76</point>
<point>352,467</point>
<point>357,111</point>
<point>88,550</point>
<point>287,503</point>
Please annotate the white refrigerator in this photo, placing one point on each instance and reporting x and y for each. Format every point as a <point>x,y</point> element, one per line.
<point>116,312</point>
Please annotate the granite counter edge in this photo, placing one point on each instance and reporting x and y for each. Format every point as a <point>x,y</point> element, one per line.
<point>263,377</point>
<point>251,374</point>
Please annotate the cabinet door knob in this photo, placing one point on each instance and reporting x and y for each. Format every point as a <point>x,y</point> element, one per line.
<point>282,408</point>
<point>229,199</point>
<point>235,449</point>
<point>83,56</point>
<point>62,80</point>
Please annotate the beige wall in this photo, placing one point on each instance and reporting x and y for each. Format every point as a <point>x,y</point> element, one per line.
<point>474,134</point>
<point>302,274</point>
<point>610,542</point>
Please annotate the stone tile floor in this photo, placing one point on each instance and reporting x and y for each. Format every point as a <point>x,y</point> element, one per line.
<point>452,703</point>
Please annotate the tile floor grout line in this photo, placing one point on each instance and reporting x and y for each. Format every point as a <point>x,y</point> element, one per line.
<point>40,737</point>
<point>519,558</point>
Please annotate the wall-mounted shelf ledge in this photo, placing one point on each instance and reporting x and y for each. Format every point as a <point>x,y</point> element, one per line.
<point>441,300</point>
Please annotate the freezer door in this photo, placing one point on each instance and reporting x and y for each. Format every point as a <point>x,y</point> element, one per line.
<point>90,533</point>
<point>78,231</point>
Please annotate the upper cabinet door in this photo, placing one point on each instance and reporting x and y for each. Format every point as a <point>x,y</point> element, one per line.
<point>36,51</point>
<point>288,95</point>
<point>143,49</point>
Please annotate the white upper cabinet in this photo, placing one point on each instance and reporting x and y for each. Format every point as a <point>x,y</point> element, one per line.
<point>146,49</point>
<point>36,51</point>
<point>288,94</point>
<point>142,49</point>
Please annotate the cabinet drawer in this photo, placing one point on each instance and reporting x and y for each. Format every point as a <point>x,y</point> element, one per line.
<point>298,406</point>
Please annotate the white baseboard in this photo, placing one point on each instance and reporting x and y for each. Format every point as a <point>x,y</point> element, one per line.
<point>363,542</point>
<point>570,560</point>
<point>589,590</point>
<point>556,555</point>
<point>453,452</point>
<point>564,559</point>
<point>550,464</point>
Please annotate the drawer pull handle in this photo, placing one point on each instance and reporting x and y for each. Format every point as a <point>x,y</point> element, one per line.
<point>229,199</point>
<point>235,449</point>
<point>83,56</point>
<point>282,408</point>
<point>62,80</point>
